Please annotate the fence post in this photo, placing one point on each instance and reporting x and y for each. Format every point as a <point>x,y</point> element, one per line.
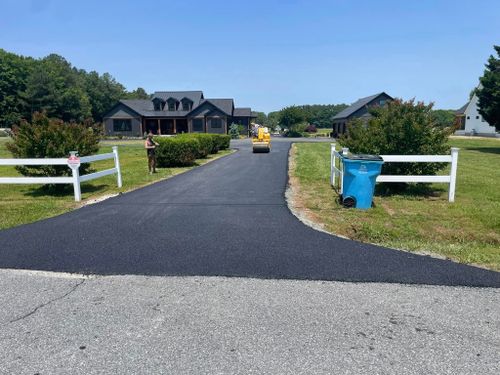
<point>332,164</point>
<point>345,152</point>
<point>117,166</point>
<point>75,170</point>
<point>453,174</point>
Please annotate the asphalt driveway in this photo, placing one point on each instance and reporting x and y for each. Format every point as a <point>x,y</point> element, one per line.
<point>227,218</point>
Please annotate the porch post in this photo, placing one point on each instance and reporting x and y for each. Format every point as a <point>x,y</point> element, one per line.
<point>159,128</point>
<point>175,126</point>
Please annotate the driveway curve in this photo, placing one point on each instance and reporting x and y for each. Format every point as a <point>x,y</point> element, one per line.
<point>227,218</point>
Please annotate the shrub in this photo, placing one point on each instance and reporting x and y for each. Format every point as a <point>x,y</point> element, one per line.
<point>211,141</point>
<point>400,128</point>
<point>223,141</point>
<point>205,144</point>
<point>176,151</point>
<point>49,138</point>
<point>311,129</point>
<point>234,131</point>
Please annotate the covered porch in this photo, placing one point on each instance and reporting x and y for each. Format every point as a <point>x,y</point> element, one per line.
<point>165,126</point>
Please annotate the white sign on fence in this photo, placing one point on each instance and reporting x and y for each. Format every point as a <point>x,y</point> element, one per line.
<point>72,162</point>
<point>336,169</point>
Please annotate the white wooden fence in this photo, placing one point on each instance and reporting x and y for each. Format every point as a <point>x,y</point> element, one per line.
<point>337,169</point>
<point>75,179</point>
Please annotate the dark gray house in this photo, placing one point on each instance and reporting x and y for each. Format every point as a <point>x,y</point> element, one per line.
<point>174,112</point>
<point>358,109</point>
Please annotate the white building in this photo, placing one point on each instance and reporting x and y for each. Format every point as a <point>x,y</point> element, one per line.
<point>471,121</point>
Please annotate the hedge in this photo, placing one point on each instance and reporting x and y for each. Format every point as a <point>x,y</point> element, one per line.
<point>224,141</point>
<point>176,151</point>
<point>205,144</point>
<point>184,149</point>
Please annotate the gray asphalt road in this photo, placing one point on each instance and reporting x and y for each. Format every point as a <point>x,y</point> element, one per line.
<point>228,218</point>
<point>217,325</point>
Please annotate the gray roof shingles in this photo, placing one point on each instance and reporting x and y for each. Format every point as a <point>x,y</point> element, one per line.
<point>462,109</point>
<point>225,105</point>
<point>146,108</point>
<point>194,96</point>
<point>243,112</point>
<point>360,103</point>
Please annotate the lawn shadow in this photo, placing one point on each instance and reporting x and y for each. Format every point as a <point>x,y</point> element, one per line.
<point>488,150</point>
<point>409,190</point>
<point>62,190</point>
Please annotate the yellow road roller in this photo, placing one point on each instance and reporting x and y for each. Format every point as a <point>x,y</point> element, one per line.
<point>261,139</point>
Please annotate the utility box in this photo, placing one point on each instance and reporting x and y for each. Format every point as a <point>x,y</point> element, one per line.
<point>360,174</point>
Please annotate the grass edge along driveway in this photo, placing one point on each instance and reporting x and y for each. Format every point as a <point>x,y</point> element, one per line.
<point>23,204</point>
<point>420,220</point>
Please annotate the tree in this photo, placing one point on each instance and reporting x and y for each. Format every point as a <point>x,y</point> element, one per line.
<point>138,93</point>
<point>103,92</point>
<point>51,84</point>
<point>444,117</point>
<point>273,119</point>
<point>261,118</point>
<point>48,138</point>
<point>321,115</point>
<point>14,72</point>
<point>234,131</point>
<point>400,128</point>
<point>290,116</point>
<point>489,93</point>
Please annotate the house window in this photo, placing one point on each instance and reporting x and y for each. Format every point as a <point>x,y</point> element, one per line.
<point>197,125</point>
<point>122,125</point>
<point>477,117</point>
<point>382,102</point>
<point>171,105</point>
<point>185,106</point>
<point>468,117</point>
<point>216,123</point>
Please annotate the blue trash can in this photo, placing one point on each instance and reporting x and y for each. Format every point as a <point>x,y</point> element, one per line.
<point>360,174</point>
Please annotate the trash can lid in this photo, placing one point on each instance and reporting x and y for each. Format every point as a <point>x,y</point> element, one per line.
<point>366,157</point>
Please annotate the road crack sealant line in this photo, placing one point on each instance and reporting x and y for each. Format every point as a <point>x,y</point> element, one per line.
<point>49,302</point>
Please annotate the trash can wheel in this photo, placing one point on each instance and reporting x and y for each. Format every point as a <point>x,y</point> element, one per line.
<point>349,202</point>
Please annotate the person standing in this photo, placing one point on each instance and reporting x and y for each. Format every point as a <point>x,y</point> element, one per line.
<point>150,146</point>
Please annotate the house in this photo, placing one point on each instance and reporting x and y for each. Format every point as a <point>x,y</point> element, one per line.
<point>471,122</point>
<point>358,109</point>
<point>174,112</point>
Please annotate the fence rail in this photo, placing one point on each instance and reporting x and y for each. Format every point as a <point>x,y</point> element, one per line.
<point>76,179</point>
<point>449,179</point>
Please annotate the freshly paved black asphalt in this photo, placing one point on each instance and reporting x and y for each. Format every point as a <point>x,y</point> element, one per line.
<point>228,218</point>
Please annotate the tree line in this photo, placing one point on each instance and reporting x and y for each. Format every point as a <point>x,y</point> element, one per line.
<point>52,85</point>
<point>320,115</point>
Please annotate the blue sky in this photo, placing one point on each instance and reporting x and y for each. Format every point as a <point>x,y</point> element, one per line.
<point>267,54</point>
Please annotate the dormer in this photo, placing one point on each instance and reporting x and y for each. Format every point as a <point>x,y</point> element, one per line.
<point>172,104</point>
<point>187,104</point>
<point>158,104</point>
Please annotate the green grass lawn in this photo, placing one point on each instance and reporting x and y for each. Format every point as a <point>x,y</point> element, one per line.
<point>423,220</point>
<point>21,204</point>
